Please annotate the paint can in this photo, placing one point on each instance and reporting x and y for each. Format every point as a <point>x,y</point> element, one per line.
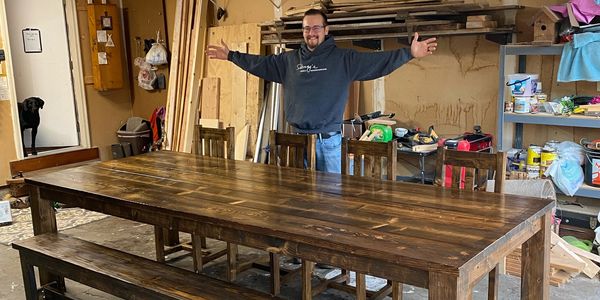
<point>546,158</point>
<point>534,153</point>
<point>522,105</point>
<point>592,167</point>
<point>522,84</point>
<point>533,172</point>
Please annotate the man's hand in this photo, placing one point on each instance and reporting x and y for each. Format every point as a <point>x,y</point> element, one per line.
<point>422,48</point>
<point>218,52</point>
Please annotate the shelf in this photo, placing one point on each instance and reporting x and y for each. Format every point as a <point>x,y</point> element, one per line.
<point>588,191</point>
<point>533,50</point>
<point>548,119</point>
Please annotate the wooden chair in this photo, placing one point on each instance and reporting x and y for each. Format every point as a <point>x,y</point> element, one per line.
<point>210,142</point>
<point>378,161</point>
<point>291,150</point>
<point>471,170</point>
<point>366,158</point>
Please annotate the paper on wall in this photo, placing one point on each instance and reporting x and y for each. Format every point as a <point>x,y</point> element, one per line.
<point>102,60</point>
<point>4,95</point>
<point>101,36</point>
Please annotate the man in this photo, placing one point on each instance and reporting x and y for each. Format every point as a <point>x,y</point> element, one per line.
<point>316,78</point>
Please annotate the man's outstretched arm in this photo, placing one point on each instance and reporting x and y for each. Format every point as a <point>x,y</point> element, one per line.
<point>271,67</point>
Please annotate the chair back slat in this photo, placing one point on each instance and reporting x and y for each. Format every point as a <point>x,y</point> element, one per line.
<point>214,142</point>
<point>289,150</point>
<point>370,159</point>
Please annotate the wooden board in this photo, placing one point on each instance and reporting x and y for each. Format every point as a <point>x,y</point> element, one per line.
<point>210,98</point>
<point>211,123</point>
<point>232,35</point>
<point>238,91</point>
<point>241,142</point>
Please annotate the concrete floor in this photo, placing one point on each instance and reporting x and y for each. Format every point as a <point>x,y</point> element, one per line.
<point>137,238</point>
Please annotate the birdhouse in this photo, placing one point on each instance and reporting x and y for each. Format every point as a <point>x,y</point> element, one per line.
<point>545,26</point>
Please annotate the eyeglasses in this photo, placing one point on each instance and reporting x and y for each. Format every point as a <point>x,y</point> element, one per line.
<point>316,28</point>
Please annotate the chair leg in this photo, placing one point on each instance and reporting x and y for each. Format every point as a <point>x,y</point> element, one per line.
<point>275,274</point>
<point>347,273</point>
<point>232,251</point>
<point>361,286</point>
<point>397,290</point>
<point>307,269</point>
<point>493,277</point>
<point>197,252</point>
<point>159,244</point>
<point>29,281</point>
<point>203,242</point>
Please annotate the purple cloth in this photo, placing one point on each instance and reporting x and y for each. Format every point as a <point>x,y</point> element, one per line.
<point>584,10</point>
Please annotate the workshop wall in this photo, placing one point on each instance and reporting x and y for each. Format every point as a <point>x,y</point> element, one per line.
<point>106,110</point>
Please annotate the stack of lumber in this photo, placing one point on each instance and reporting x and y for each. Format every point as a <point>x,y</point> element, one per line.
<point>298,11</point>
<point>184,74</point>
<point>396,18</point>
<point>566,262</point>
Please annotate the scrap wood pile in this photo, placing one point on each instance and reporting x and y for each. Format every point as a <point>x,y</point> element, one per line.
<point>379,19</point>
<point>566,262</point>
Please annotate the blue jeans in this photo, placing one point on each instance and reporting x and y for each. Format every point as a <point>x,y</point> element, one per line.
<point>329,154</point>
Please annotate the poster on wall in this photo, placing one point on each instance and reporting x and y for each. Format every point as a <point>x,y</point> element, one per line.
<point>32,40</point>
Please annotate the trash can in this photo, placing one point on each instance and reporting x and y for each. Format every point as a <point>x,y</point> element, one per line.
<point>136,132</point>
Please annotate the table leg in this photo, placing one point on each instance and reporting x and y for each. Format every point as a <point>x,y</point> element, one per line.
<point>44,221</point>
<point>397,290</point>
<point>307,268</point>
<point>535,263</point>
<point>447,287</point>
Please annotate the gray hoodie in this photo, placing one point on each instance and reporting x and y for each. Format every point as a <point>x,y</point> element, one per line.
<point>316,83</point>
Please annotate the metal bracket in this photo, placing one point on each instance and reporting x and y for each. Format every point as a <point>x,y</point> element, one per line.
<point>501,39</point>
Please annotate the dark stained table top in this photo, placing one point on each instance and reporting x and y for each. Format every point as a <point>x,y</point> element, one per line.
<point>413,225</point>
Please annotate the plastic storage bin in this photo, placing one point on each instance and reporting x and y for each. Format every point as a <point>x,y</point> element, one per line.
<point>138,133</point>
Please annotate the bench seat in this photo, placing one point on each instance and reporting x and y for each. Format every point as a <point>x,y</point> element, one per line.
<point>118,273</point>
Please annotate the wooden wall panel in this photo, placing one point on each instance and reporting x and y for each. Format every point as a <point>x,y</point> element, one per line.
<point>452,90</point>
<point>236,36</point>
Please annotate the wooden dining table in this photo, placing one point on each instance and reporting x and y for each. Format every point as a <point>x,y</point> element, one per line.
<point>441,239</point>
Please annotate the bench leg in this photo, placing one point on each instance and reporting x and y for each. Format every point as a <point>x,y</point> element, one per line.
<point>159,244</point>
<point>197,251</point>
<point>29,281</point>
<point>232,251</point>
<point>275,276</point>
<point>361,286</point>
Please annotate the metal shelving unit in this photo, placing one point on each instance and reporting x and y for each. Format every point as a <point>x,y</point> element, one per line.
<point>510,125</point>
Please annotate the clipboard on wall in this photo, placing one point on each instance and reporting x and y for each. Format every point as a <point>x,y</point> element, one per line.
<point>32,40</point>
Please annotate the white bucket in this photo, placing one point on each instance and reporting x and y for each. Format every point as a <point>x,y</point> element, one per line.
<point>522,84</point>
<point>522,105</point>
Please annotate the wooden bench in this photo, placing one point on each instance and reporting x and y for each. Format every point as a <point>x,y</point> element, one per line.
<point>118,273</point>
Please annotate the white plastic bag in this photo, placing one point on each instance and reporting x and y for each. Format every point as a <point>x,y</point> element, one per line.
<point>571,150</point>
<point>567,174</point>
<point>146,76</point>
<point>157,55</point>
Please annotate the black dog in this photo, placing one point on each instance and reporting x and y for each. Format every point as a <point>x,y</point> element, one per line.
<point>29,117</point>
